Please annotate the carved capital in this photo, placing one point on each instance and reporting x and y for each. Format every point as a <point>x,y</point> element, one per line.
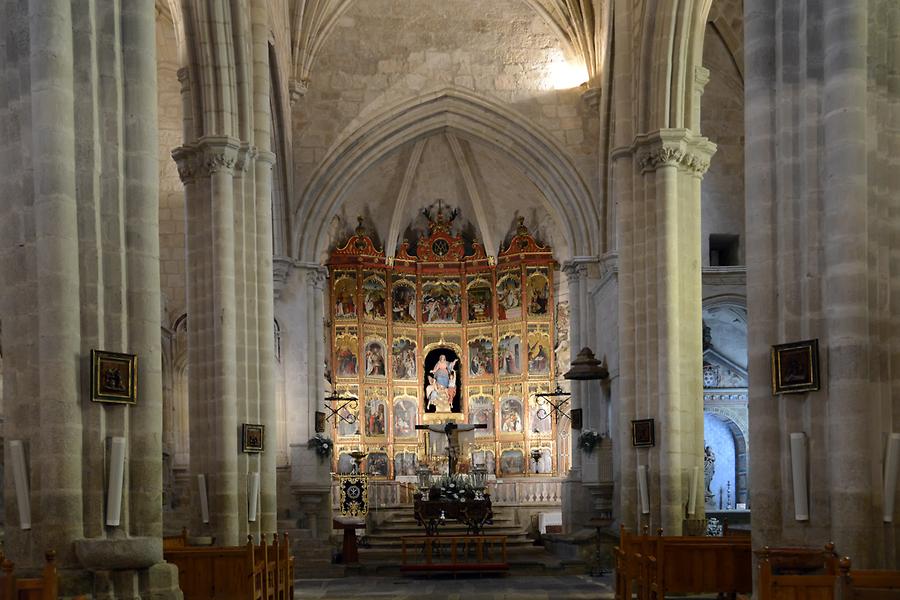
<point>298,89</point>
<point>185,158</point>
<point>575,271</point>
<point>316,278</point>
<point>678,148</point>
<point>218,154</point>
<point>245,156</point>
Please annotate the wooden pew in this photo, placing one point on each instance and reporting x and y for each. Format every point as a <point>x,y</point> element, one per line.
<point>46,587</point>
<point>867,584</point>
<point>285,571</point>
<point>231,573</point>
<point>797,573</point>
<point>698,565</point>
<point>170,542</point>
<point>631,556</point>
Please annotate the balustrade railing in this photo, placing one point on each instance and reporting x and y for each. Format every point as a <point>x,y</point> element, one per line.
<point>504,492</point>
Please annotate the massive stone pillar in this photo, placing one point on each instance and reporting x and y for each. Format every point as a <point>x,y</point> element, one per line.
<point>79,246</point>
<point>823,195</point>
<point>660,320</point>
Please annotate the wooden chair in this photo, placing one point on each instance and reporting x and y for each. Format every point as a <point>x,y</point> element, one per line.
<point>45,587</point>
<point>285,570</point>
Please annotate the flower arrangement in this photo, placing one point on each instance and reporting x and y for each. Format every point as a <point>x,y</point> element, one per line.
<point>452,487</point>
<point>322,445</point>
<point>589,440</point>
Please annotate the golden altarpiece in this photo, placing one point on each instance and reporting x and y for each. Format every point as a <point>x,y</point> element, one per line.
<point>440,335</point>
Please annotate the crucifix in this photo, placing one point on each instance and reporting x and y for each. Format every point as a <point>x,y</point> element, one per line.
<point>451,430</point>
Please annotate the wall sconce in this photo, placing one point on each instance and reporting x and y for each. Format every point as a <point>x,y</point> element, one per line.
<point>204,499</point>
<point>116,481</point>
<point>20,479</point>
<point>891,462</point>
<point>798,473</point>
<point>252,496</point>
<point>643,490</point>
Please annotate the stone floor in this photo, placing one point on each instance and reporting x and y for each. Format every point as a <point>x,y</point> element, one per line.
<point>513,587</point>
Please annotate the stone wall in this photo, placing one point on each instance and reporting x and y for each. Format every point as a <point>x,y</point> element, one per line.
<point>722,121</point>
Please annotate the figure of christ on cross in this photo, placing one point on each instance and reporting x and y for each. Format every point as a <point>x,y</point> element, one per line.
<point>451,430</point>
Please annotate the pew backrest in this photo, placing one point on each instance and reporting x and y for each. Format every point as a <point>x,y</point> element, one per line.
<point>45,587</point>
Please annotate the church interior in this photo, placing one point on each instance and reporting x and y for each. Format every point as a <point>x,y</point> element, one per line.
<point>314,298</point>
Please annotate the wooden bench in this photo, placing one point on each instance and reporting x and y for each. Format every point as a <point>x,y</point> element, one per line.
<point>653,566</point>
<point>454,553</point>
<point>171,542</point>
<point>631,564</point>
<point>46,587</point>
<point>867,584</point>
<point>803,573</point>
<point>700,565</point>
<point>249,572</point>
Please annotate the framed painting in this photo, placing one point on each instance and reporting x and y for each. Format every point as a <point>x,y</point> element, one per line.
<point>114,377</point>
<point>252,437</point>
<point>320,422</point>
<point>642,433</point>
<point>795,367</point>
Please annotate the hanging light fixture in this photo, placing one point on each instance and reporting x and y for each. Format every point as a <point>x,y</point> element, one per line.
<point>586,367</point>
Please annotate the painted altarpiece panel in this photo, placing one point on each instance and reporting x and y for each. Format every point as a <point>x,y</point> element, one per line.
<point>510,355</point>
<point>405,417</point>
<point>344,295</point>
<point>403,357</point>
<point>481,356</point>
<point>479,299</point>
<point>509,295</point>
<point>539,350</point>
<point>537,292</point>
<point>403,300</point>
<point>481,411</point>
<point>374,301</point>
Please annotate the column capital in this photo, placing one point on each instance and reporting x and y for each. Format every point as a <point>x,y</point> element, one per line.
<point>209,155</point>
<point>679,148</point>
<point>298,89</point>
<point>246,155</point>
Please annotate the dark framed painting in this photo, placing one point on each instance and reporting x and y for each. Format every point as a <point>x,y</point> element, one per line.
<point>795,367</point>
<point>252,437</point>
<point>320,422</point>
<point>642,433</point>
<point>576,417</point>
<point>113,377</point>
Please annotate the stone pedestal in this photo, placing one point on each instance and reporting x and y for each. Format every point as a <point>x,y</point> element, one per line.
<point>311,486</point>
<point>125,568</point>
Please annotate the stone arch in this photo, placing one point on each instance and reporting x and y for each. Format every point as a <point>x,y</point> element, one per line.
<point>469,116</point>
<point>672,51</point>
<point>739,429</point>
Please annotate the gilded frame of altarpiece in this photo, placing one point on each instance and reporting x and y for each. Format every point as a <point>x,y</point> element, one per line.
<point>441,334</point>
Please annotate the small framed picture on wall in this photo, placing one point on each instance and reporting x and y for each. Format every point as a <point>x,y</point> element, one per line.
<point>252,437</point>
<point>795,367</point>
<point>642,433</point>
<point>113,377</point>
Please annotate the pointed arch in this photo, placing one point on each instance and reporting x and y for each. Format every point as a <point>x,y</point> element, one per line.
<point>468,116</point>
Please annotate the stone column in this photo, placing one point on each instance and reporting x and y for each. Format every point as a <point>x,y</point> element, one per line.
<point>267,408</point>
<point>660,309</point>
<point>56,440</point>
<point>142,239</point>
<point>574,512</point>
<point>846,277</point>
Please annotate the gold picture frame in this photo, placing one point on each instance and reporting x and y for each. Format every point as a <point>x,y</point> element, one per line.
<point>253,437</point>
<point>795,367</point>
<point>113,377</point>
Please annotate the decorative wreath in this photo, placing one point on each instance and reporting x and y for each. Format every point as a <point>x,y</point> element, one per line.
<point>589,440</point>
<point>322,445</point>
